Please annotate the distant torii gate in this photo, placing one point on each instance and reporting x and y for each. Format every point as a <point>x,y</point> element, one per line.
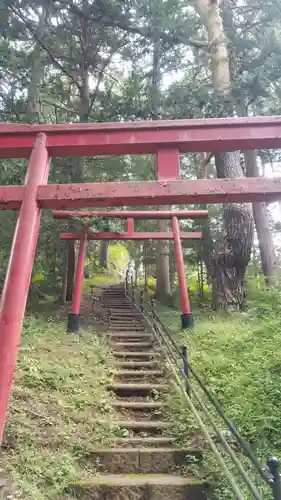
<point>165,139</point>
<point>130,216</point>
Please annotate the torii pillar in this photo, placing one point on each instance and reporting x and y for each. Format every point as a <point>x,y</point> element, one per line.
<point>186,316</point>
<point>73,321</point>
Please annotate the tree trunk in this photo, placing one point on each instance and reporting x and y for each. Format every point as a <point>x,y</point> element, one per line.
<point>207,247</point>
<point>70,271</point>
<point>266,245</point>
<point>233,254</point>
<point>144,262</point>
<point>63,294</point>
<point>36,77</point>
<point>163,285</point>
<point>230,260</point>
<point>103,253</point>
<point>207,240</point>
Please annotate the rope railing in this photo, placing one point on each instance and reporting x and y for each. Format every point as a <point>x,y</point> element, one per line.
<point>186,375</point>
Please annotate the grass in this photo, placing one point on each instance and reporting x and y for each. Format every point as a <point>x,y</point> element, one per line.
<point>58,400</point>
<point>238,357</point>
<point>100,281</point>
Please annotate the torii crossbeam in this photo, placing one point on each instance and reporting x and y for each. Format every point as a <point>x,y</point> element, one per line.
<point>131,214</point>
<point>141,236</point>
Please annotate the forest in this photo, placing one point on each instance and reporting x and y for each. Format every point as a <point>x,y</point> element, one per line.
<point>95,61</point>
<point>65,62</point>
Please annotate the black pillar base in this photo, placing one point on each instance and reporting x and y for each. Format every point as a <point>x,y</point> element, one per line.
<point>186,320</point>
<point>73,321</point>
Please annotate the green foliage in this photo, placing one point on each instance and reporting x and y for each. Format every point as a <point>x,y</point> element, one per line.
<point>118,256</point>
<point>100,281</point>
<point>151,284</point>
<point>236,356</point>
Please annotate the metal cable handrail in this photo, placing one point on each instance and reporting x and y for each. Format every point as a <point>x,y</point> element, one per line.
<point>271,476</point>
<point>213,399</point>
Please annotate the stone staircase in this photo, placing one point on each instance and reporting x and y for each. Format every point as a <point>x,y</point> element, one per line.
<point>144,464</point>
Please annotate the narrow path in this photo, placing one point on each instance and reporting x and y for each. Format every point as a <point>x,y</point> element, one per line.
<point>144,464</point>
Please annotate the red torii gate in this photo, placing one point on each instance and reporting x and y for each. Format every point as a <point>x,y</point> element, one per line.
<point>164,138</point>
<point>130,216</point>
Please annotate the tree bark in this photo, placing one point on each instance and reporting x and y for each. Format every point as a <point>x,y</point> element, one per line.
<point>163,285</point>
<point>63,294</point>
<point>70,271</point>
<point>207,240</point>
<point>78,169</point>
<point>266,245</point>
<point>36,77</point>
<point>230,260</point>
<point>103,253</point>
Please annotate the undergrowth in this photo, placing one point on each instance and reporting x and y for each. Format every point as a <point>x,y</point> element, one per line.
<point>238,357</point>
<point>58,401</point>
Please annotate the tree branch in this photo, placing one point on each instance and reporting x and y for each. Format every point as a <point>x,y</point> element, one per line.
<point>101,74</point>
<point>108,19</point>
<point>43,45</point>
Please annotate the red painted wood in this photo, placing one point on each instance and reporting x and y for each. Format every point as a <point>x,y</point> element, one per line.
<point>136,214</point>
<point>130,225</point>
<point>159,192</point>
<point>213,134</point>
<point>79,275</point>
<point>11,197</point>
<point>185,305</point>
<point>131,236</point>
<point>15,290</point>
<point>167,164</point>
<point>147,193</point>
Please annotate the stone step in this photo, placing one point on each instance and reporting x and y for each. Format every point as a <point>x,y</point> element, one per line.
<point>142,460</point>
<point>140,425</point>
<point>127,320</point>
<point>138,373</point>
<point>130,324</point>
<point>125,313</point>
<point>128,332</point>
<point>140,354</point>
<point>130,335</point>
<point>112,328</point>
<point>117,301</point>
<point>128,328</point>
<point>136,364</point>
<point>137,388</point>
<point>138,405</point>
<point>131,345</point>
<point>121,307</point>
<point>116,296</point>
<point>150,441</point>
<point>124,317</point>
<point>138,487</point>
<point>133,312</point>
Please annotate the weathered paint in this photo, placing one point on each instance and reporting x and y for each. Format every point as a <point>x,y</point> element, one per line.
<point>185,305</point>
<point>79,275</point>
<point>131,236</point>
<point>136,214</point>
<point>162,192</point>
<point>15,290</point>
<point>212,134</point>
